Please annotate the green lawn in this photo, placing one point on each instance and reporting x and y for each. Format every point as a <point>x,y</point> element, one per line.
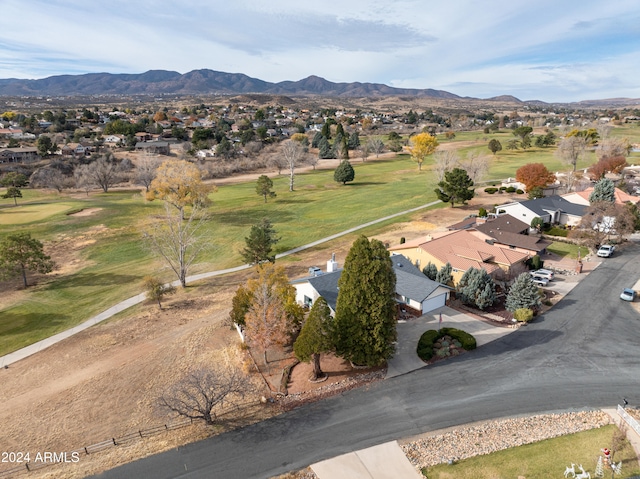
<point>567,250</point>
<point>118,260</point>
<point>541,460</point>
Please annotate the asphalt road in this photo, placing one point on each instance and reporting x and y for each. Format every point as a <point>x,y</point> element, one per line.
<point>582,354</point>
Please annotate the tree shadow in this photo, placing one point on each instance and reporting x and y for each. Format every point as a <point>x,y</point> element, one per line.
<point>92,279</point>
<point>18,330</point>
<point>365,183</point>
<point>293,201</point>
<point>249,218</point>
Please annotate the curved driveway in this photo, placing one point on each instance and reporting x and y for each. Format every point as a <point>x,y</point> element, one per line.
<point>584,353</point>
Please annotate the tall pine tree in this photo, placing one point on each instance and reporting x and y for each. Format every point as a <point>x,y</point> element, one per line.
<point>523,294</point>
<point>366,311</point>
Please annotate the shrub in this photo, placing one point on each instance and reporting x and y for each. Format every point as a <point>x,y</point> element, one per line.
<point>482,213</point>
<point>402,240</point>
<point>536,262</point>
<point>425,344</point>
<point>490,190</point>
<point>429,337</point>
<point>511,189</point>
<point>557,231</point>
<point>523,314</point>
<point>519,191</point>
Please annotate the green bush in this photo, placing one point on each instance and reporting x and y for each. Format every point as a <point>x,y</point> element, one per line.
<point>429,337</point>
<point>502,188</point>
<point>490,190</point>
<point>519,191</point>
<point>523,314</point>
<point>425,345</point>
<point>557,231</point>
<point>402,240</point>
<point>536,262</point>
<point>482,213</point>
<point>511,189</point>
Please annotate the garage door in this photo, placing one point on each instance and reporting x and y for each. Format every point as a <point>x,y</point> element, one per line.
<point>434,303</point>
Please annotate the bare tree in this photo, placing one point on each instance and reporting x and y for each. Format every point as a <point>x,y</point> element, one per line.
<point>476,166</point>
<point>601,220</point>
<point>178,241</point>
<point>445,161</point>
<point>365,151</point>
<point>571,149</point>
<point>105,172</point>
<point>204,393</point>
<point>293,153</point>
<point>146,170</point>
<point>613,147</point>
<point>604,130</point>
<point>312,160</point>
<point>376,146</point>
<point>83,179</point>
<point>47,177</point>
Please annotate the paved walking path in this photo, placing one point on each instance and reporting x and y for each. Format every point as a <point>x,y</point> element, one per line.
<point>15,356</point>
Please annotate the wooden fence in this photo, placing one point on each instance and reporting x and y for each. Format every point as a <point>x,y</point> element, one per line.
<point>97,447</point>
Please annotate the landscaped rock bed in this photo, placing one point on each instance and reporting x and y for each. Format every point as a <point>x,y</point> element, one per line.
<point>495,436</point>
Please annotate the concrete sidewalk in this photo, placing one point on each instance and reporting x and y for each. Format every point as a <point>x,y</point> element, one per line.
<point>386,461</point>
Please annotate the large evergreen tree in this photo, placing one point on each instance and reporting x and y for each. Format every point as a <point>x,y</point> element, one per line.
<point>259,243</point>
<point>476,287</point>
<point>603,190</point>
<point>456,187</point>
<point>314,338</point>
<point>430,271</point>
<point>444,276</point>
<point>324,149</point>
<point>344,172</point>
<point>366,310</point>
<point>523,294</point>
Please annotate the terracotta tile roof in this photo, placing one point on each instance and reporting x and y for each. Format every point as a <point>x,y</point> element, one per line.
<point>462,250</point>
<point>621,196</point>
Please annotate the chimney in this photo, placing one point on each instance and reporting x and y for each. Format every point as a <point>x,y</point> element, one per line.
<point>332,264</point>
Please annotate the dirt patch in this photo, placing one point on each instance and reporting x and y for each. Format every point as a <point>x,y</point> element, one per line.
<point>86,212</point>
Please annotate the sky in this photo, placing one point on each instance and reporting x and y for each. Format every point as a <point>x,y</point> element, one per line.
<point>554,51</point>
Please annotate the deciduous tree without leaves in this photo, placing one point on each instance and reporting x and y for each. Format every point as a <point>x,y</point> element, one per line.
<point>178,241</point>
<point>203,393</point>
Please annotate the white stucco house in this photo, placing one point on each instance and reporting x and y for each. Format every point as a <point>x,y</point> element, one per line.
<point>552,209</point>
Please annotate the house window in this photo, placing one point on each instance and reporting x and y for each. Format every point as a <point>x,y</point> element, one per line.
<point>308,301</point>
<point>406,299</point>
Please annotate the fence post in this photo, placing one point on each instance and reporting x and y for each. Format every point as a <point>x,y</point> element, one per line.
<point>114,441</point>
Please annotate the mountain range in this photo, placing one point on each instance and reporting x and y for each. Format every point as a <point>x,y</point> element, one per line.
<point>200,82</point>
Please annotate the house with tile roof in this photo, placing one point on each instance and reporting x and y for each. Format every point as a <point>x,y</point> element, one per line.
<point>582,197</point>
<point>509,232</point>
<point>463,250</point>
<point>551,209</point>
<point>413,289</point>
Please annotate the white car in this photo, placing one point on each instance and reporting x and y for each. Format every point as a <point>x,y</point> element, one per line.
<point>539,280</point>
<point>628,294</point>
<point>544,273</point>
<point>606,251</point>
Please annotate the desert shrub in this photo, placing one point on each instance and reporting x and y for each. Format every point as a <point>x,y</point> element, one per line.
<point>523,314</point>
<point>490,190</point>
<point>511,189</point>
<point>519,191</point>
